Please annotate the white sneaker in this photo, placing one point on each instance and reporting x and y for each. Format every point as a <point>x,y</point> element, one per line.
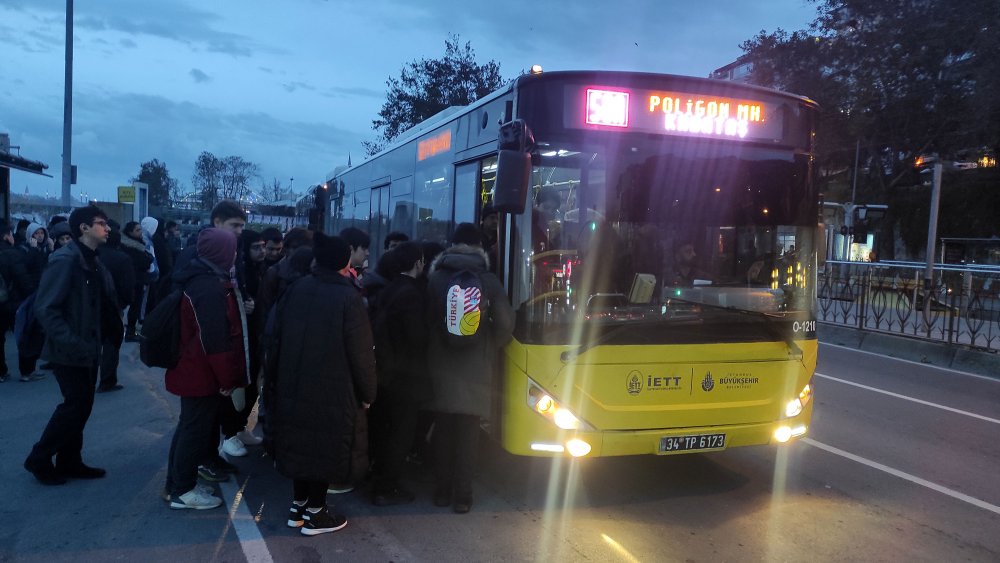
<point>234,447</point>
<point>196,499</point>
<point>248,438</point>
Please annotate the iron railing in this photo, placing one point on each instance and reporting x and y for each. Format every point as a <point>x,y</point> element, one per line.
<point>962,306</point>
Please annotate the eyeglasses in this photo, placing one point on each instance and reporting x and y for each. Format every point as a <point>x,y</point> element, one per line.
<point>100,222</point>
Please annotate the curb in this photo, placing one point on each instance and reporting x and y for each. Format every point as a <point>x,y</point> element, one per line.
<point>941,354</point>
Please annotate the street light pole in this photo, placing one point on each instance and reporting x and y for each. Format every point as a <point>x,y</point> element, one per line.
<point>932,228</point>
<point>67,160</point>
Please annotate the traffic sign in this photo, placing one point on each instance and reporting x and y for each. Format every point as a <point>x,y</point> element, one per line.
<point>126,194</point>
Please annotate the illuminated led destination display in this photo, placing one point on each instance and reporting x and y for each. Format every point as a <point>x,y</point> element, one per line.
<point>675,113</point>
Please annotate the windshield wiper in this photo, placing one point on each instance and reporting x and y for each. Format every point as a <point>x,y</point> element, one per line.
<point>766,318</point>
<point>570,355</point>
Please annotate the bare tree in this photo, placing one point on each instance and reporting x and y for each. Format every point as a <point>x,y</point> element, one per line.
<point>271,192</point>
<point>223,178</point>
<point>236,176</point>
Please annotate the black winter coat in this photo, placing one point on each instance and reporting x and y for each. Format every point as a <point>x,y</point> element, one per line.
<point>75,305</point>
<point>325,371</point>
<point>122,271</point>
<point>15,275</point>
<point>401,339</point>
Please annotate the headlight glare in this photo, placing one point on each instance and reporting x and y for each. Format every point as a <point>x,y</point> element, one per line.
<point>543,403</point>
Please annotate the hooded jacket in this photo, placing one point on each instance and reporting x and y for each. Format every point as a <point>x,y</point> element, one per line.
<point>212,346</point>
<point>462,378</point>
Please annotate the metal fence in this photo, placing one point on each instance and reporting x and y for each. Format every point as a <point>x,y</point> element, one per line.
<point>962,306</point>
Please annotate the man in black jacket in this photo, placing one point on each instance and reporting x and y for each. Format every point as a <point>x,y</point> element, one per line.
<point>122,272</point>
<point>403,385</point>
<point>18,284</point>
<point>76,305</point>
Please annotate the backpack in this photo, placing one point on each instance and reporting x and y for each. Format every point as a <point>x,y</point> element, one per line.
<point>160,341</point>
<point>463,309</point>
<point>27,331</point>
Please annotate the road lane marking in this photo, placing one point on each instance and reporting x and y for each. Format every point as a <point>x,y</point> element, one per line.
<point>942,368</point>
<point>905,398</point>
<point>903,475</point>
<point>244,524</point>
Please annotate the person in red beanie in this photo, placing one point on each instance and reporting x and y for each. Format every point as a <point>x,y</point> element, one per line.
<point>211,366</point>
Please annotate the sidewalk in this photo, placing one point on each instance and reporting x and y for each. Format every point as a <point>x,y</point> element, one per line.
<point>121,516</point>
<point>951,356</point>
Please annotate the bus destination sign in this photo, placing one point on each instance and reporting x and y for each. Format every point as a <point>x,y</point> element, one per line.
<point>678,113</point>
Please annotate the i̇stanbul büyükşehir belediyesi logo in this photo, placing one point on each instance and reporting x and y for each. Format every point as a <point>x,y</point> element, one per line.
<point>708,383</point>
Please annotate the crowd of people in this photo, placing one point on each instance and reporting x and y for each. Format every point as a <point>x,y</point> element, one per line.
<point>351,369</point>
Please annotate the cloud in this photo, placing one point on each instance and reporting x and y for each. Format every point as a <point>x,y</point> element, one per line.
<point>128,43</point>
<point>293,86</point>
<point>341,91</point>
<point>173,20</point>
<point>109,148</point>
<point>199,76</point>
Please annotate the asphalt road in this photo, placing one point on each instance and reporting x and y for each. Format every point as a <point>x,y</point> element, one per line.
<point>901,464</point>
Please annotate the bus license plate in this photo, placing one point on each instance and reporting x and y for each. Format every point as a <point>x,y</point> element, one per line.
<point>669,444</point>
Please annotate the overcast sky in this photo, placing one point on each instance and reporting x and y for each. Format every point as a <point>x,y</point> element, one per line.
<point>294,85</point>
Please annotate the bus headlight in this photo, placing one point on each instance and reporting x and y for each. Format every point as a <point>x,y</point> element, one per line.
<point>795,406</point>
<point>543,403</point>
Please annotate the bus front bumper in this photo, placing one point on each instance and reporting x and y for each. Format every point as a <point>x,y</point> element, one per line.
<point>542,440</point>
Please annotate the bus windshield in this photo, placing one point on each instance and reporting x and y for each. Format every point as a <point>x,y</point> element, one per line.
<point>684,241</point>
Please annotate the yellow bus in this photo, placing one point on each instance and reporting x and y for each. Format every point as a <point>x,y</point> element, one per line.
<point>657,237</point>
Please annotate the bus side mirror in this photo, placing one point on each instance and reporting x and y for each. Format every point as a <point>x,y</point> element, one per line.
<point>510,193</point>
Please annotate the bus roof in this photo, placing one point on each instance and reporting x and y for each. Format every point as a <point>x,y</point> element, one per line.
<point>608,77</point>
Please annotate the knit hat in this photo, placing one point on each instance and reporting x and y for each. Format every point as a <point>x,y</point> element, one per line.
<point>217,246</point>
<point>467,233</point>
<point>331,252</point>
<point>60,229</point>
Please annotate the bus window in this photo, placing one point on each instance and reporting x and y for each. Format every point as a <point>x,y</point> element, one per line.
<point>721,232</point>
<point>433,198</point>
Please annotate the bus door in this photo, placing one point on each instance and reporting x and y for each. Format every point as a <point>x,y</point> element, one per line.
<point>466,194</point>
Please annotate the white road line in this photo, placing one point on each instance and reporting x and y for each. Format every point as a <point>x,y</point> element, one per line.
<point>251,540</point>
<point>922,364</point>
<point>905,398</point>
<point>903,475</point>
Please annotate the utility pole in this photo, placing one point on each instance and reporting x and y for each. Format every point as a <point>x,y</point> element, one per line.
<point>932,228</point>
<point>67,152</point>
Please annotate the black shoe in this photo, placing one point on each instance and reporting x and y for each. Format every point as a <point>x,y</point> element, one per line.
<point>212,474</point>
<point>46,475</point>
<point>110,388</point>
<point>296,515</point>
<point>442,497</point>
<point>322,522</point>
<point>389,497</point>
<point>222,465</point>
<point>80,471</point>
<point>462,505</point>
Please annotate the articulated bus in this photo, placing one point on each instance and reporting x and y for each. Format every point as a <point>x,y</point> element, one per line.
<point>657,238</point>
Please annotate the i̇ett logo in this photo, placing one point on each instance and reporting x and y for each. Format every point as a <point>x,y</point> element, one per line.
<point>633,383</point>
<point>708,383</point>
